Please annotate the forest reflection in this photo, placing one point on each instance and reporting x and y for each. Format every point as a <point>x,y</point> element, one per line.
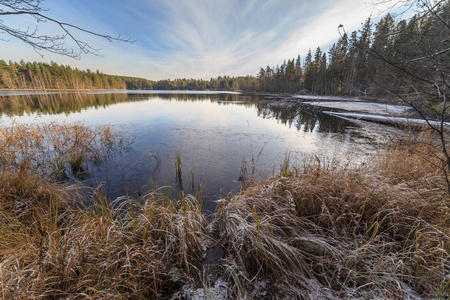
<point>59,103</point>
<point>304,118</point>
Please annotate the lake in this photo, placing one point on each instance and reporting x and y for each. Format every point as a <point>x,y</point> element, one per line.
<point>217,137</point>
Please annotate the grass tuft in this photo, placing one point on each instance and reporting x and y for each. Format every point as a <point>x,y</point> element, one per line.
<point>327,231</point>
<point>140,249</point>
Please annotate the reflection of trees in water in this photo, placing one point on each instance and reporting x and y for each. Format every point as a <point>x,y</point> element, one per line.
<point>283,115</point>
<point>305,117</point>
<point>58,103</point>
<point>223,99</point>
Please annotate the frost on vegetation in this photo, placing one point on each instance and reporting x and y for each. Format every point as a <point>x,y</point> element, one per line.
<point>323,232</point>
<point>260,288</point>
<point>53,148</point>
<point>175,274</point>
<point>217,292</point>
<point>328,232</point>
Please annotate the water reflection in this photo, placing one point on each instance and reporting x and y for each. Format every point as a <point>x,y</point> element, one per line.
<point>57,103</point>
<point>215,135</point>
<point>305,118</point>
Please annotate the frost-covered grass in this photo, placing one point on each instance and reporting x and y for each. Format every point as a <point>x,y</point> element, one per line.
<point>51,250</point>
<point>51,247</point>
<point>326,231</point>
<point>323,231</point>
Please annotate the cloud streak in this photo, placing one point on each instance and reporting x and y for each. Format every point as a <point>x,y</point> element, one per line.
<point>205,38</point>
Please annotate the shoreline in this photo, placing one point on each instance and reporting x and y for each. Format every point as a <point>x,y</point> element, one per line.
<point>60,90</point>
<point>352,109</point>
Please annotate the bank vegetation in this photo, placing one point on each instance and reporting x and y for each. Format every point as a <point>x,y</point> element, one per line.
<point>321,230</point>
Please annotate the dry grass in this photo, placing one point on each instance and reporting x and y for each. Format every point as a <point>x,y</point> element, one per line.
<point>326,232</point>
<point>143,249</point>
<point>56,149</point>
<point>51,248</point>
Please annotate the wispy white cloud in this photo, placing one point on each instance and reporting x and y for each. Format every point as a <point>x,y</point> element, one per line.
<point>207,38</point>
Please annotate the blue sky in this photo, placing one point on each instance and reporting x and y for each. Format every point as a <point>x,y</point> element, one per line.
<point>194,38</point>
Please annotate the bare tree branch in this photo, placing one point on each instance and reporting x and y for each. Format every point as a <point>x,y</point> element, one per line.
<point>50,43</point>
<point>419,70</point>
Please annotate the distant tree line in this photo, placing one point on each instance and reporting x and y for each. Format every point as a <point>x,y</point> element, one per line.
<point>38,75</point>
<point>221,83</point>
<point>364,62</point>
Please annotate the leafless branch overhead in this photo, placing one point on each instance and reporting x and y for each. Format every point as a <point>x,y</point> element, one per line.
<point>42,42</point>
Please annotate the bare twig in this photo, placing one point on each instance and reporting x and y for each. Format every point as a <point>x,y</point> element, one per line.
<point>45,42</point>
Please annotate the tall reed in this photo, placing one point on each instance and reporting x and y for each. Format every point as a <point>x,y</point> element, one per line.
<point>49,149</point>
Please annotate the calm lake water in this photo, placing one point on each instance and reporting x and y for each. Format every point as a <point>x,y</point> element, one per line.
<point>216,135</point>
